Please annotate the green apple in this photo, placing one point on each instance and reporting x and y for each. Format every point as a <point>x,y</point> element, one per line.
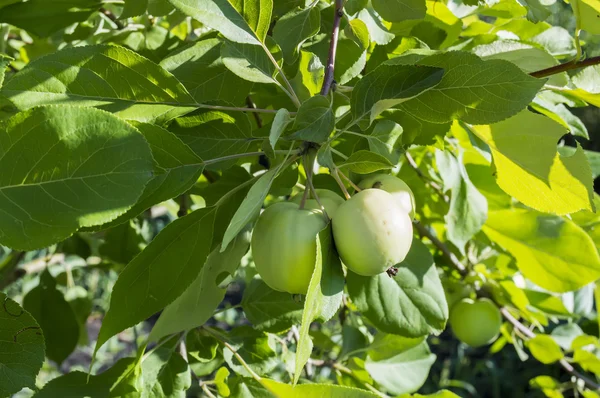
<point>330,200</point>
<point>395,186</point>
<point>475,323</point>
<point>371,232</point>
<point>284,246</point>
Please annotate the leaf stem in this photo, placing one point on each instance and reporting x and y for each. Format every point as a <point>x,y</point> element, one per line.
<point>257,117</point>
<point>219,337</point>
<point>341,368</point>
<point>339,153</point>
<point>240,155</point>
<point>290,90</point>
<point>329,68</point>
<point>432,184</point>
<point>208,393</point>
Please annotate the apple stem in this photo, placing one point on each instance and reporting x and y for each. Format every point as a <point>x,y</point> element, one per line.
<point>314,193</point>
<point>334,173</point>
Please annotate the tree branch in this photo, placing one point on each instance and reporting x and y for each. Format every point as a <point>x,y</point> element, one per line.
<point>563,362</point>
<point>329,68</point>
<point>565,67</point>
<point>257,117</point>
<point>113,18</point>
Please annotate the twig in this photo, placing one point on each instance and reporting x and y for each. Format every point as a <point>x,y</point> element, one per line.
<point>329,68</point>
<point>442,247</point>
<point>252,105</point>
<point>183,205</point>
<point>565,67</point>
<point>563,362</point>
<point>113,18</point>
<point>207,391</point>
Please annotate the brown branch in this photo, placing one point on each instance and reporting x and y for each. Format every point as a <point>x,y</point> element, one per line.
<point>563,362</point>
<point>328,80</point>
<point>113,18</point>
<point>442,247</point>
<point>565,67</point>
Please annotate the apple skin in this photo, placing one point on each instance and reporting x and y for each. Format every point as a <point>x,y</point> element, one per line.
<point>330,200</point>
<point>284,246</point>
<point>395,186</point>
<point>371,232</point>
<point>455,291</point>
<point>475,323</point>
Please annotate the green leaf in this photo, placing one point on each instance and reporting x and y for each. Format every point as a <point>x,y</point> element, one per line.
<point>473,90</point>
<point>166,374</point>
<point>280,123</point>
<point>246,387</point>
<point>245,21</point>
<point>385,140</point>
<point>122,243</point>
<point>4,63</point>
<point>197,304</point>
<point>468,207</point>
<point>365,162</point>
<point>314,121</point>
<point>108,77</point>
<point>55,317</point>
<point>389,85</point>
<point>251,62</point>
<point>357,31</point>
<point>546,182</point>
<point>80,301</point>
<point>221,382</point>
<point>43,18</point>
<point>314,390</point>
<point>525,56</point>
<point>200,69</point>
<point>587,360</point>
<point>551,251</point>
<point>294,28</point>
<point>309,79</point>
<point>378,32</point>
<point>177,168</point>
<point>21,348</point>
<point>107,384</point>
<point>544,349</point>
<point>229,181</point>
<point>400,10</point>
<point>216,134</point>
<point>546,303</point>
<point>251,205</point>
<point>68,168</point>
<point>270,310</point>
<point>561,114</point>
<point>133,8</point>
<point>385,346</point>
<point>323,298</point>
<point>412,363</point>
<point>411,304</point>
<point>588,12</point>
<point>160,273</point>
<point>256,348</point>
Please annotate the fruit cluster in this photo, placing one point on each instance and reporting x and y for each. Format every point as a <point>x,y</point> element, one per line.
<point>372,232</point>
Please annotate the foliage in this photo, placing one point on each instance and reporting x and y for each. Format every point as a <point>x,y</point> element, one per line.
<point>141,140</point>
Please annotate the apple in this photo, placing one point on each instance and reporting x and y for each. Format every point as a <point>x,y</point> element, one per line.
<point>371,232</point>
<point>475,323</point>
<point>284,246</point>
<point>395,186</point>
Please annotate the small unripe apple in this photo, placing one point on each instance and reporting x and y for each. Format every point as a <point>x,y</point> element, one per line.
<point>284,246</point>
<point>330,200</point>
<point>395,186</point>
<point>475,323</point>
<point>371,232</point>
